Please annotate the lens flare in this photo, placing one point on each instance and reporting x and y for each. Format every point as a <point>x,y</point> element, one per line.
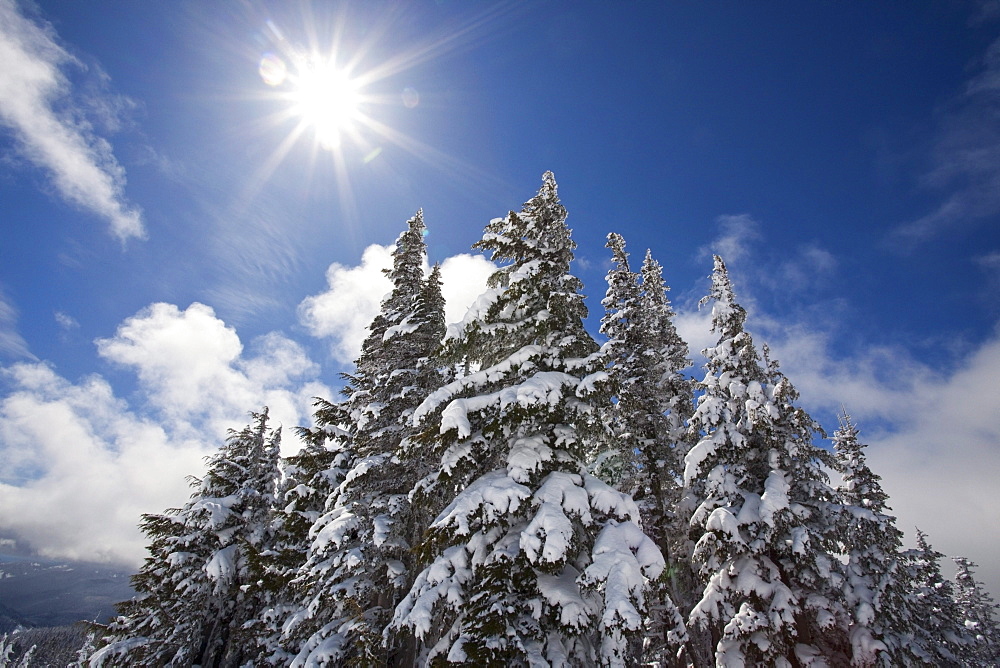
<point>411,98</point>
<point>272,70</point>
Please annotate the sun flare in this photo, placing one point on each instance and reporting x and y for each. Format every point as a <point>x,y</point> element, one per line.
<point>326,99</point>
<point>333,98</point>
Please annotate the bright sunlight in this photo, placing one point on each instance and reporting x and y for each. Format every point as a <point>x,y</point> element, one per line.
<point>326,99</point>
<point>321,95</point>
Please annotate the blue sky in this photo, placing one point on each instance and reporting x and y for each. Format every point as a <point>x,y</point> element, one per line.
<point>178,249</point>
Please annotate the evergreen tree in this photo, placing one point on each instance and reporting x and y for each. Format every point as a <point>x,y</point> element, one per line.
<point>760,507</point>
<point>880,610</point>
<point>937,630</point>
<point>645,358</point>
<point>358,563</point>
<point>311,478</point>
<point>976,609</point>
<point>534,561</point>
<point>199,586</point>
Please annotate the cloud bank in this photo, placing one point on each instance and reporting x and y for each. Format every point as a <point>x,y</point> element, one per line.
<point>78,464</point>
<point>38,107</point>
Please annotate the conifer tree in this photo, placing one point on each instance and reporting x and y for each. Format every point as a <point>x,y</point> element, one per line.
<point>879,608</point>
<point>358,562</point>
<point>760,507</point>
<point>645,358</point>
<point>534,561</point>
<point>937,633</point>
<point>976,609</point>
<point>311,478</point>
<point>198,587</point>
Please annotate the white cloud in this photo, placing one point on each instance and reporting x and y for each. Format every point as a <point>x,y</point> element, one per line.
<point>192,369</point>
<point>941,460</point>
<point>933,432</point>
<point>343,312</point>
<point>965,158</point>
<point>66,322</point>
<point>78,465</point>
<point>933,435</point>
<point>463,279</point>
<point>32,86</point>
<point>737,234</point>
<point>12,344</point>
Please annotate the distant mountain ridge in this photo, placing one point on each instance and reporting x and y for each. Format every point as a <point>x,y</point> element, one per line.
<point>39,593</point>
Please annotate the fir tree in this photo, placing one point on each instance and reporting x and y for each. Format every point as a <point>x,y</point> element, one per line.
<point>199,587</point>
<point>880,611</point>
<point>311,478</point>
<point>532,554</point>
<point>358,561</point>
<point>760,507</point>
<point>645,358</point>
<point>937,630</point>
<point>976,610</point>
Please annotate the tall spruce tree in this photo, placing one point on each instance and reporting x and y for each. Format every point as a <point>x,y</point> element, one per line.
<point>534,561</point>
<point>199,585</point>
<point>645,358</point>
<point>311,478</point>
<point>977,613</point>
<point>760,507</point>
<point>937,630</point>
<point>879,605</point>
<point>359,559</point>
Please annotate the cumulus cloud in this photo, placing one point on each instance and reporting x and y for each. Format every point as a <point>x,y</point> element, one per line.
<point>933,434</point>
<point>38,107</point>
<point>343,312</point>
<point>965,158</point>
<point>463,279</point>
<point>79,467</point>
<point>940,460</point>
<point>192,369</point>
<point>352,299</point>
<point>78,464</point>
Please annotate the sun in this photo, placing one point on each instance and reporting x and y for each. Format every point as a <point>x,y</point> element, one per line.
<point>318,93</point>
<point>325,98</point>
<point>334,94</point>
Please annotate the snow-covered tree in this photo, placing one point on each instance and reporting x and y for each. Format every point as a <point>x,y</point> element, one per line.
<point>977,613</point>
<point>645,358</point>
<point>199,585</point>
<point>877,600</point>
<point>761,507</point>
<point>534,561</point>
<point>310,478</point>
<point>936,630</point>
<point>359,558</point>
<point>8,651</point>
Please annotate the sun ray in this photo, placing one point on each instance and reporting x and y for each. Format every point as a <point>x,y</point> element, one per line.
<point>328,91</point>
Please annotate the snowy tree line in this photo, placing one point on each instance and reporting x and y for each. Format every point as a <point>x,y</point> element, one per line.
<point>508,492</point>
